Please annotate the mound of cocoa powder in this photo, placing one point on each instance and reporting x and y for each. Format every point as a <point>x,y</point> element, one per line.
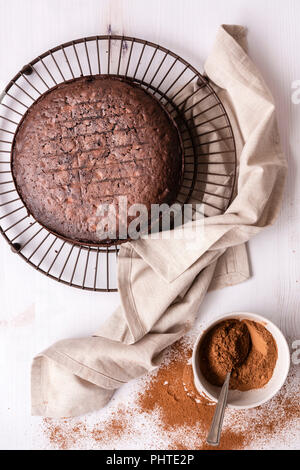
<point>244,348</point>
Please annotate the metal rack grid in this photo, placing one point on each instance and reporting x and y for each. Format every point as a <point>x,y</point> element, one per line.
<point>208,140</point>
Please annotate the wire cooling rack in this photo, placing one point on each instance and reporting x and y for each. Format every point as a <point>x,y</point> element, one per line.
<point>209,146</point>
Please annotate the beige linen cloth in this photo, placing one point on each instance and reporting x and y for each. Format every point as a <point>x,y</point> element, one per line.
<point>162,282</point>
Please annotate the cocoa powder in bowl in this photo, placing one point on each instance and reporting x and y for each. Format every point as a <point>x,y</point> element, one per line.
<point>244,348</point>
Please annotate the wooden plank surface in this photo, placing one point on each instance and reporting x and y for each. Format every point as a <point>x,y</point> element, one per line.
<point>36,311</point>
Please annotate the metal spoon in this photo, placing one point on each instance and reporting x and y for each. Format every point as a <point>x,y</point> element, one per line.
<point>214,434</point>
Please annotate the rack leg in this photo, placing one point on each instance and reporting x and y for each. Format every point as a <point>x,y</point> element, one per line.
<point>16,247</point>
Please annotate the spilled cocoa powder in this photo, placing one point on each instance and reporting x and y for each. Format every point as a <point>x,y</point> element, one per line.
<point>174,416</point>
<point>173,393</point>
<point>244,348</point>
<point>69,433</point>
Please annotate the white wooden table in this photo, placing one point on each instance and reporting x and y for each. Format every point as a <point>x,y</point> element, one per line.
<point>36,311</point>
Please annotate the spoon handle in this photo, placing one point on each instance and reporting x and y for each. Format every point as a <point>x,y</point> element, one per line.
<point>214,434</point>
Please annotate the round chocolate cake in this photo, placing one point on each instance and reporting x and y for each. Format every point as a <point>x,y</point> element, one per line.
<point>87,142</point>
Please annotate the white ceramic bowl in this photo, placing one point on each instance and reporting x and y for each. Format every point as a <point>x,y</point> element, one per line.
<point>251,398</point>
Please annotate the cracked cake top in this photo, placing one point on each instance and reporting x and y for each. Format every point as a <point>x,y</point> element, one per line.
<point>87,142</point>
